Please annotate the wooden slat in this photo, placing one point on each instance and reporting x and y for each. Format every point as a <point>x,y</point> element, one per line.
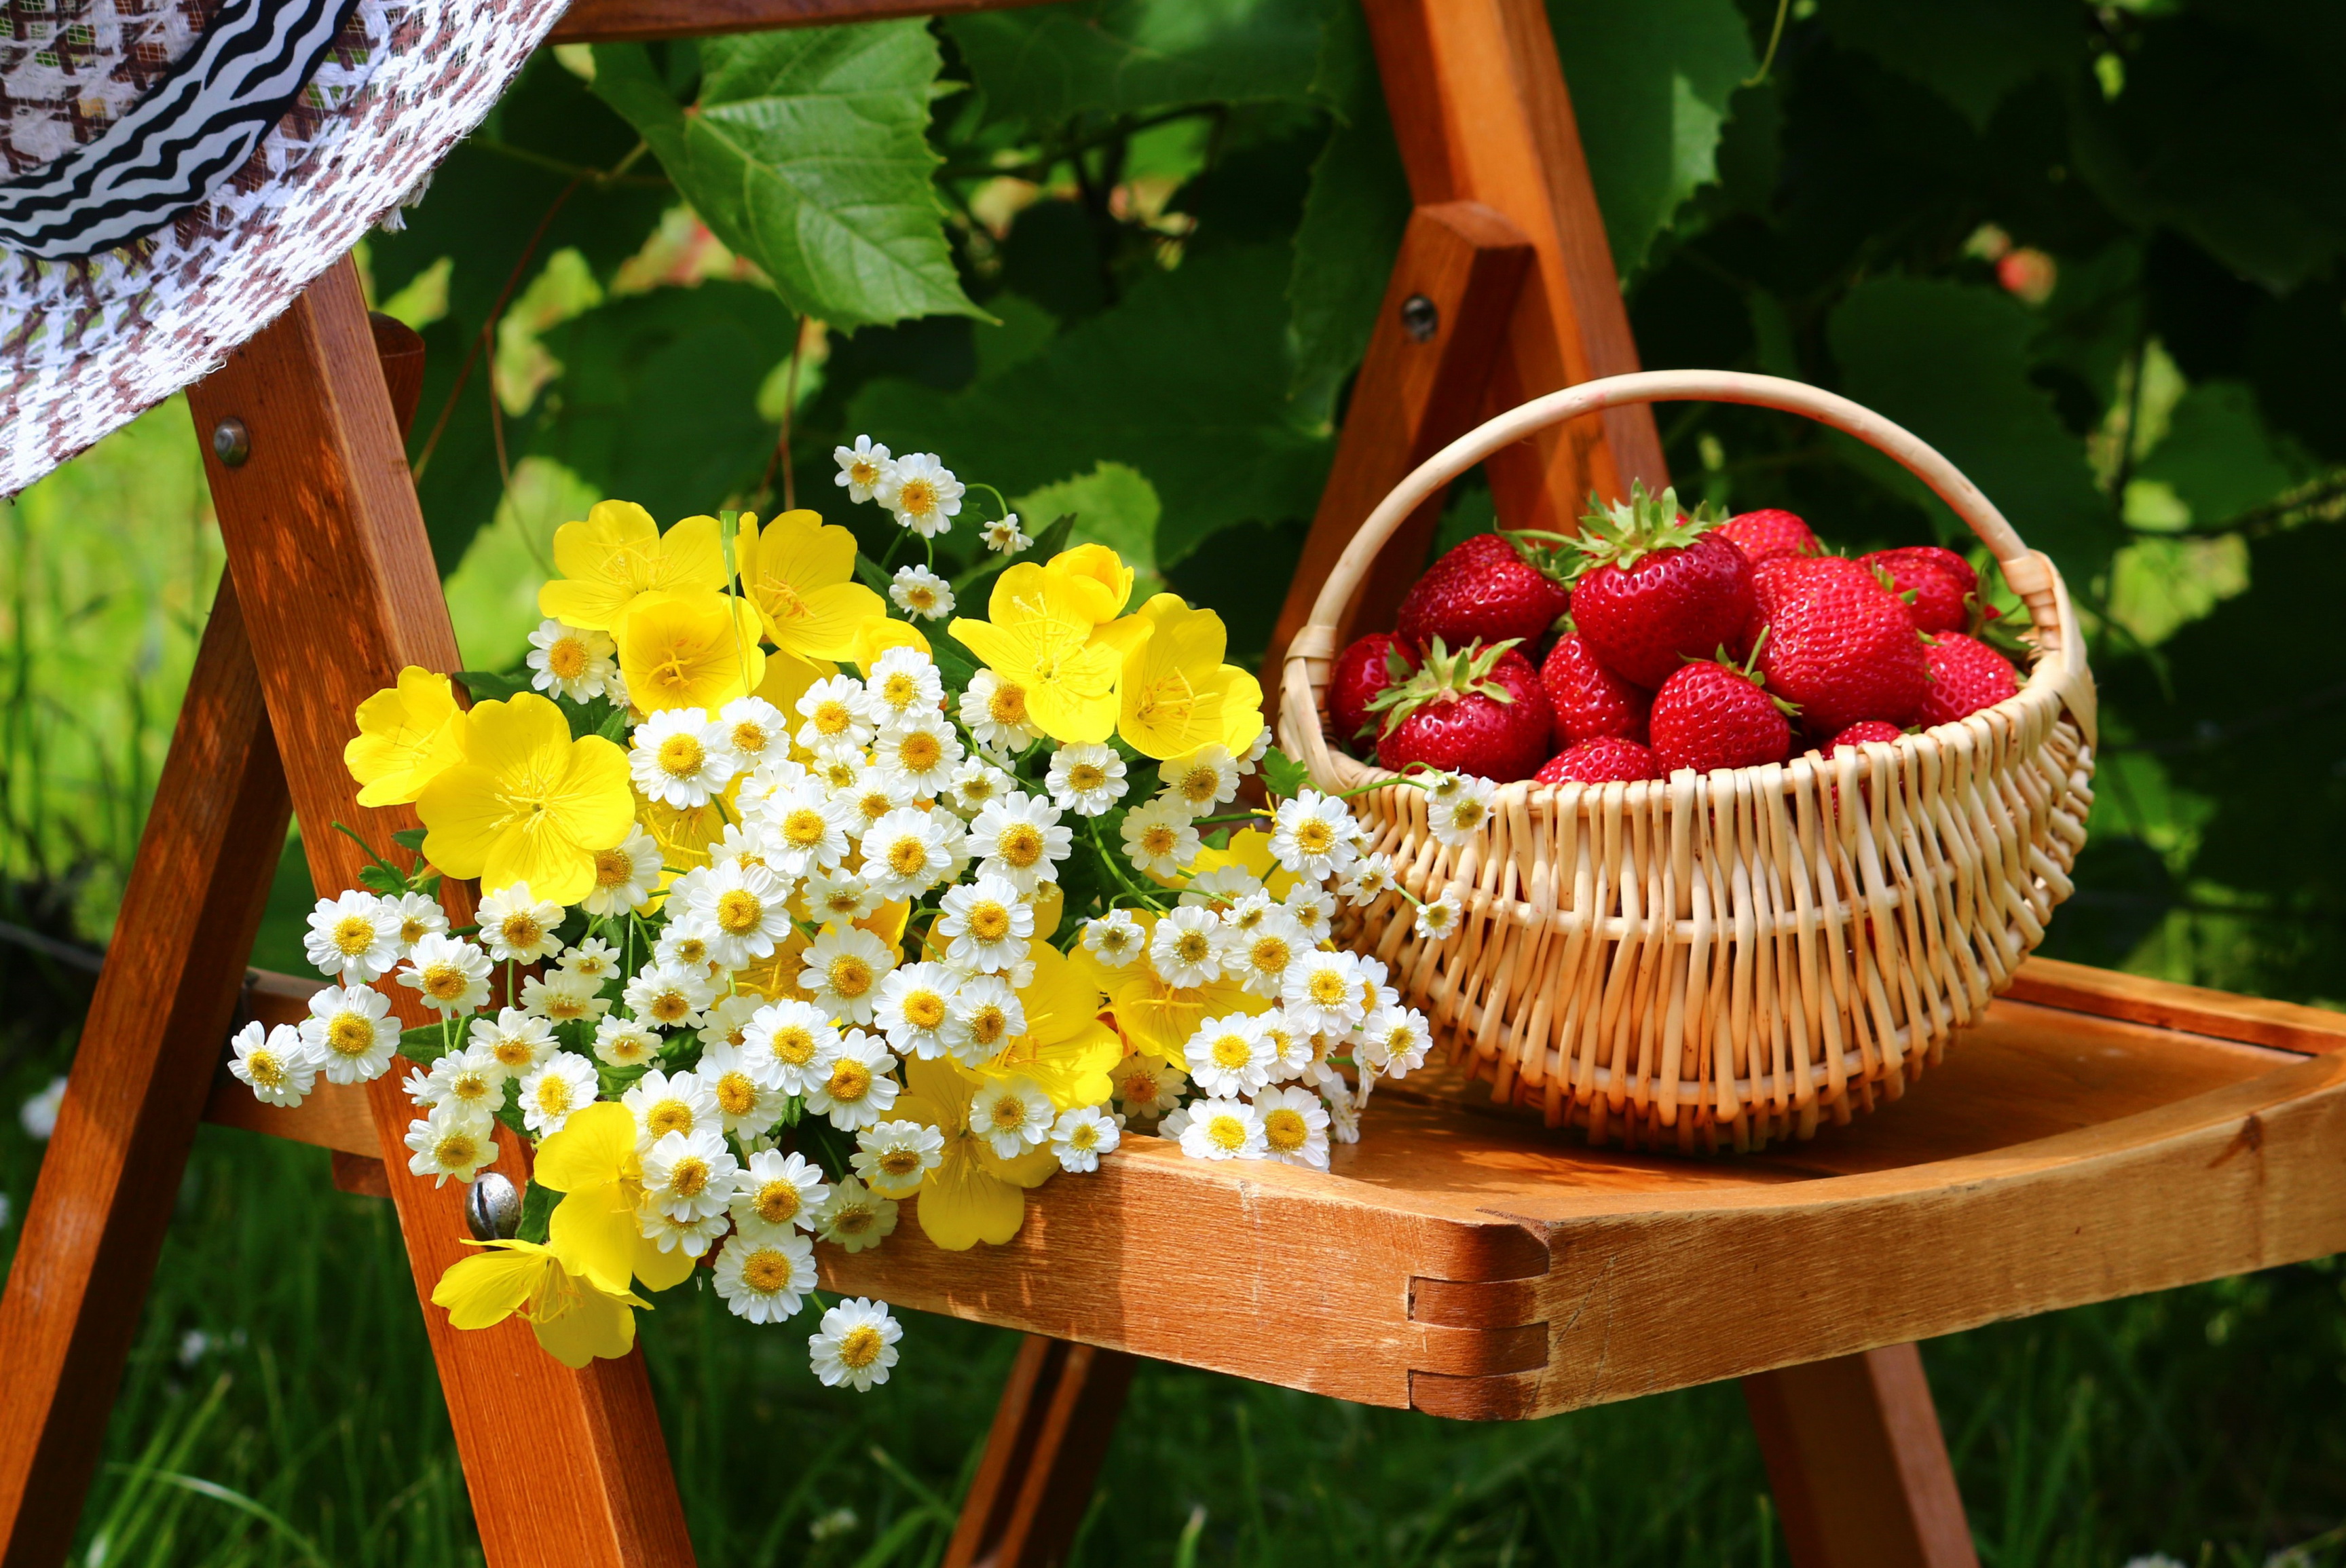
<point>1858,1465</point>
<point>1481,112</point>
<point>156,1027</point>
<point>1413,397</point>
<point>638,21</point>
<point>332,565</point>
<point>2282,1025</point>
<point>1042,1456</point>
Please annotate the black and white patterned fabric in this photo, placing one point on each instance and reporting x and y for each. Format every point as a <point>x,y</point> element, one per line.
<point>195,130</point>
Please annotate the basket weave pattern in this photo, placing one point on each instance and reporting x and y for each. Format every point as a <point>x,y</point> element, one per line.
<point>1697,963</point>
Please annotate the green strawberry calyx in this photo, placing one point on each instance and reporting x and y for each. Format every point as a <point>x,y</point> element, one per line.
<point>1624,533</point>
<point>1444,678</point>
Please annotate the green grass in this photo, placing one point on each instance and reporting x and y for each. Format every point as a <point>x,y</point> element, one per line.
<point>279,1408</point>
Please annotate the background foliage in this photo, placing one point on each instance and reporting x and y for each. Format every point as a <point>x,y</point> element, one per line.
<point>1121,258</point>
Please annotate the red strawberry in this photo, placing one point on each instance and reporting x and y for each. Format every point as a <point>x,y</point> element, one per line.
<point>1864,731</point>
<point>1605,759</point>
<point>1939,586</point>
<point>1712,715</point>
<point>1767,534</point>
<point>1843,647</point>
<point>1481,710</point>
<point>1656,588</point>
<point>1966,675</point>
<point>1361,671</point>
<point>1488,588</point>
<point>1589,700</point>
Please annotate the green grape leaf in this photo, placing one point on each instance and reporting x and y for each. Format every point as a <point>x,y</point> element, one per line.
<point>1973,55</point>
<point>2219,456</point>
<point>536,1213</point>
<point>426,1042</point>
<point>807,153</point>
<point>1115,56</point>
<point>1113,504</point>
<point>411,838</point>
<point>1185,381</point>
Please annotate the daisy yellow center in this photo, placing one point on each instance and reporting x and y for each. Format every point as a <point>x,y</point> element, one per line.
<point>1466,814</point>
<point>864,472</point>
<point>1116,938</point>
<point>846,901</point>
<point>989,922</point>
<point>627,1048</point>
<point>1400,1040</point>
<point>1158,839</point>
<point>522,930</point>
<point>917,498</point>
<point>1141,1088</point>
<point>566,659</point>
<point>349,1035</point>
<point>670,1007</point>
<point>794,1046</point>
<point>1285,1131</point>
<point>924,1009</point>
<point>907,856</point>
<point>1281,1041</point>
<point>1314,836</point>
<point>669,1115</point>
<point>266,1069</point>
<point>353,934</point>
<point>512,1053</point>
<point>861,1346</point>
<point>1232,1051</point>
<point>850,976</point>
<point>920,597</point>
<point>875,805</point>
<point>1270,955</point>
<point>750,738</point>
<point>839,773</point>
<point>689,1177</point>
<point>1085,1135</point>
<point>1085,777</point>
<point>778,1202</point>
<point>1227,1132</point>
<point>691,950</point>
<point>1192,947</point>
<point>804,827</point>
<point>1328,988</point>
<point>1021,844</point>
<point>471,1086</point>
<point>899,690</point>
<point>681,756</point>
<point>1007,705</point>
<point>1200,785</point>
<point>412,931</point>
<point>898,1164</point>
<point>919,751</point>
<point>832,717</point>
<point>1009,1112</point>
<point>849,1080</point>
<point>736,1095</point>
<point>456,1150</point>
<point>614,869</point>
<point>978,790</point>
<point>766,1271</point>
<point>989,1025</point>
<point>739,911</point>
<point>553,1094</point>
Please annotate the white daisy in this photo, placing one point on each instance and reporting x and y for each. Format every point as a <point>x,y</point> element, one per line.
<point>1343,1110</point>
<point>672,1233</point>
<point>419,915</point>
<point>678,757</point>
<point>755,732</point>
<point>914,1009</point>
<point>747,1106</point>
<point>1012,1114</point>
<point>593,959</point>
<point>1188,947</point>
<point>1003,537</point>
<point>922,493</point>
<point>857,1345</point>
<point>1294,1127</point>
<point>1260,954</point>
<point>685,944</point>
<point>518,928</point>
<point>842,970</point>
<point>1223,888</point>
<point>665,1103</point>
<point>985,925</point>
<point>1312,907</point>
<point>277,1065</point>
<point>985,1016</point>
<point>1290,1049</point>
<point>1149,1086</point>
<point>1395,1040</point>
<point>755,794</point>
<point>1371,879</point>
<point>863,468</point>
<point>1458,807</point>
<point>1322,994</point>
<point>1019,838</point>
<point>765,1280</point>
<point>451,1141</point>
<point>921,749</point>
<point>667,996</point>
<point>994,711</point>
<point>351,1033</point>
<point>903,684</point>
<point>1115,939</point>
<point>836,766</point>
<point>1159,837</point>
<point>624,876</point>
<point>690,1175</point>
<point>906,853</point>
<point>787,1045</point>
<point>354,937</point>
<point>854,1089</point>
<point>747,911</point>
<point>920,592</point>
<point>1085,778</point>
<point>874,793</point>
<point>470,1080</point>
<point>566,1083</point>
<point>1203,780</point>
<point>841,898</point>
<point>894,1156</point>
<point>727,1021</point>
<point>622,1041</point>
<point>836,713</point>
<point>1222,1129</point>
<point>778,1193</point>
<point>570,662</point>
<point>854,1217</point>
<point>1229,1057</point>
<point>975,784</point>
<point>564,996</point>
<point>1081,1136</point>
<point>1312,836</point>
<point>1438,918</point>
<point>808,829</point>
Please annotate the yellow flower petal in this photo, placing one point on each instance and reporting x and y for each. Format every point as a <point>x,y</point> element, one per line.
<point>688,650</point>
<point>408,736</point>
<point>595,1145</point>
<point>877,637</point>
<point>618,553</point>
<point>788,676</point>
<point>1029,1170</point>
<point>1170,699</point>
<point>593,1233</point>
<point>660,1270</point>
<point>800,575</point>
<point>1101,565</point>
<point>528,803</point>
<point>962,1203</point>
<point>491,1285</point>
<point>589,1324</point>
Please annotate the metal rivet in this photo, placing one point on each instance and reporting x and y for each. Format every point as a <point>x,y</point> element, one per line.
<point>1420,318</point>
<point>232,444</point>
<point>491,1208</point>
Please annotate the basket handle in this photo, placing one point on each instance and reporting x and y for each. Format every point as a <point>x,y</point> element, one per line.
<point>2031,575</point>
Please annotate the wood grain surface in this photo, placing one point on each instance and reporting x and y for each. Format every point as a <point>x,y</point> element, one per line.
<point>1043,1455</point>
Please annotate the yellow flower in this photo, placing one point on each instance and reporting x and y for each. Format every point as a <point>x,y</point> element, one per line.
<point>408,734</point>
<point>1157,1018</point>
<point>688,650</point>
<point>1102,566</point>
<point>974,1194</point>
<point>799,573</point>
<point>528,804</point>
<point>1250,851</point>
<point>593,1161</point>
<point>1040,639</point>
<point>1066,1049</point>
<point>575,1320</point>
<point>619,552</point>
<point>877,638</point>
<point>1170,701</point>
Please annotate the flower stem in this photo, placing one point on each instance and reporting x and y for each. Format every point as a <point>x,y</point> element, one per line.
<point>1100,843</point>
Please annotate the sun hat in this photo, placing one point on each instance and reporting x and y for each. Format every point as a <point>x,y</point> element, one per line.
<point>174,172</point>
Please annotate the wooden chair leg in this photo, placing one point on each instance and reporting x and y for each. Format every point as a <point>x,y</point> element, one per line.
<point>1042,1457</point>
<point>1858,1463</point>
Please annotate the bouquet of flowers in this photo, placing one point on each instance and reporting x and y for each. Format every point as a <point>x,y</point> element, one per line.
<point>766,946</point>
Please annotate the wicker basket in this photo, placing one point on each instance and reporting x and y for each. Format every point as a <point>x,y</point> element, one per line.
<point>1701,962</point>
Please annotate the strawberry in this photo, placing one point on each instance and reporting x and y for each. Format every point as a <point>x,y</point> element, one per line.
<point>1864,731</point>
<point>1768,534</point>
<point>1494,588</point>
<point>1605,759</point>
<point>1843,647</point>
<point>1713,715</point>
<point>1966,675</point>
<point>1938,586</point>
<point>1361,671</point>
<point>1589,700</point>
<point>1656,588</point>
<point>1481,710</point>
